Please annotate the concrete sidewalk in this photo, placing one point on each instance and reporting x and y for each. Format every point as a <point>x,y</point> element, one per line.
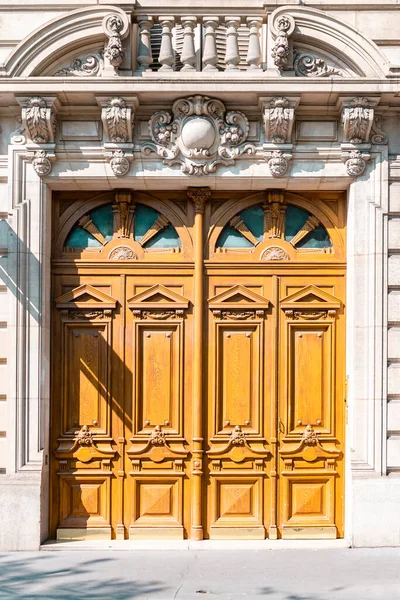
<point>281,574</point>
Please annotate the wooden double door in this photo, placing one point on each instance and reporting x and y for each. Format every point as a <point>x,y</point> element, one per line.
<point>132,455</point>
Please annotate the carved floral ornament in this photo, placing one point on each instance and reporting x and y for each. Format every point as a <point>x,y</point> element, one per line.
<point>282,29</point>
<point>198,135</point>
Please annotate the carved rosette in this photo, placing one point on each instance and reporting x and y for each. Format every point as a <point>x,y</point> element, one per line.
<point>274,253</point>
<point>41,163</point>
<point>119,163</point>
<point>122,253</point>
<point>39,120</point>
<point>355,162</point>
<point>278,163</point>
<point>282,29</point>
<point>198,135</point>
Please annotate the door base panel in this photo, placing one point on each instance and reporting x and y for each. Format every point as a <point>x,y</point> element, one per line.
<point>309,533</point>
<point>156,533</point>
<point>237,533</point>
<point>79,534</point>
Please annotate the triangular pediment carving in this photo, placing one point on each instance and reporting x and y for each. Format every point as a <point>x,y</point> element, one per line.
<point>238,297</point>
<point>310,297</point>
<point>158,297</point>
<point>86,296</point>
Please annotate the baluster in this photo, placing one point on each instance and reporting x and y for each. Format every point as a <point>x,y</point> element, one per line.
<point>188,57</point>
<point>210,56</point>
<point>254,51</point>
<point>144,56</point>
<point>166,57</point>
<point>232,56</point>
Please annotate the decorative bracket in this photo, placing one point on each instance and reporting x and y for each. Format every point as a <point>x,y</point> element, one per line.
<point>39,121</point>
<point>278,116</point>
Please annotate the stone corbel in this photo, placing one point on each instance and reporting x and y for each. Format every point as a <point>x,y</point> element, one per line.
<point>357,115</point>
<point>278,115</point>
<point>39,124</point>
<point>117,115</point>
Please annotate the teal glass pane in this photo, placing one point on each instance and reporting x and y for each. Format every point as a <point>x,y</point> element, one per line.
<point>167,238</point>
<point>230,238</point>
<point>318,238</point>
<point>295,219</point>
<point>103,218</point>
<point>80,238</point>
<point>144,219</point>
<point>253,218</point>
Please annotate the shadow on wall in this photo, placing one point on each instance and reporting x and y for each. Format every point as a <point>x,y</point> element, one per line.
<point>22,279</point>
<point>32,578</point>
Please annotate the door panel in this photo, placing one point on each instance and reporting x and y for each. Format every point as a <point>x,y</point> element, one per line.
<point>273,371</point>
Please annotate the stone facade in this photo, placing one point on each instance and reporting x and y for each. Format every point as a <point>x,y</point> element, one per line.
<point>295,97</point>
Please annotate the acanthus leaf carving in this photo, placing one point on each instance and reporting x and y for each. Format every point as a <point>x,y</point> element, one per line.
<point>117,121</point>
<point>90,65</point>
<point>357,117</point>
<point>39,120</point>
<point>307,65</point>
<point>199,196</point>
<point>278,117</point>
<point>198,135</point>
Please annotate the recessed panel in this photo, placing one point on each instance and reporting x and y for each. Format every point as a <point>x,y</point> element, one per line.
<point>85,501</point>
<point>86,377</point>
<point>310,394</point>
<point>238,378</point>
<point>158,373</point>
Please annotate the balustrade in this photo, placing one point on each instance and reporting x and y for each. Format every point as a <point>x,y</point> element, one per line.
<point>209,43</point>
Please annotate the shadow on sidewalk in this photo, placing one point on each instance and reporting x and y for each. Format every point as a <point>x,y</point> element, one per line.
<point>30,579</point>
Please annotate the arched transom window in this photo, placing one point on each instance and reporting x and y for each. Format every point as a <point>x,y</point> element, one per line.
<point>286,225</point>
<point>142,224</point>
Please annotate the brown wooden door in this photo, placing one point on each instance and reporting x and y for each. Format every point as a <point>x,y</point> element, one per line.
<point>122,408</point>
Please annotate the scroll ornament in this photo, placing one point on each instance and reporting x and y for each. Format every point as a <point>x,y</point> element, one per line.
<point>198,135</point>
<point>283,29</point>
<point>307,65</point>
<point>89,66</point>
<point>113,26</point>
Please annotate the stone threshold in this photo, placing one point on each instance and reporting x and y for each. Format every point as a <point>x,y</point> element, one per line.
<point>130,545</point>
